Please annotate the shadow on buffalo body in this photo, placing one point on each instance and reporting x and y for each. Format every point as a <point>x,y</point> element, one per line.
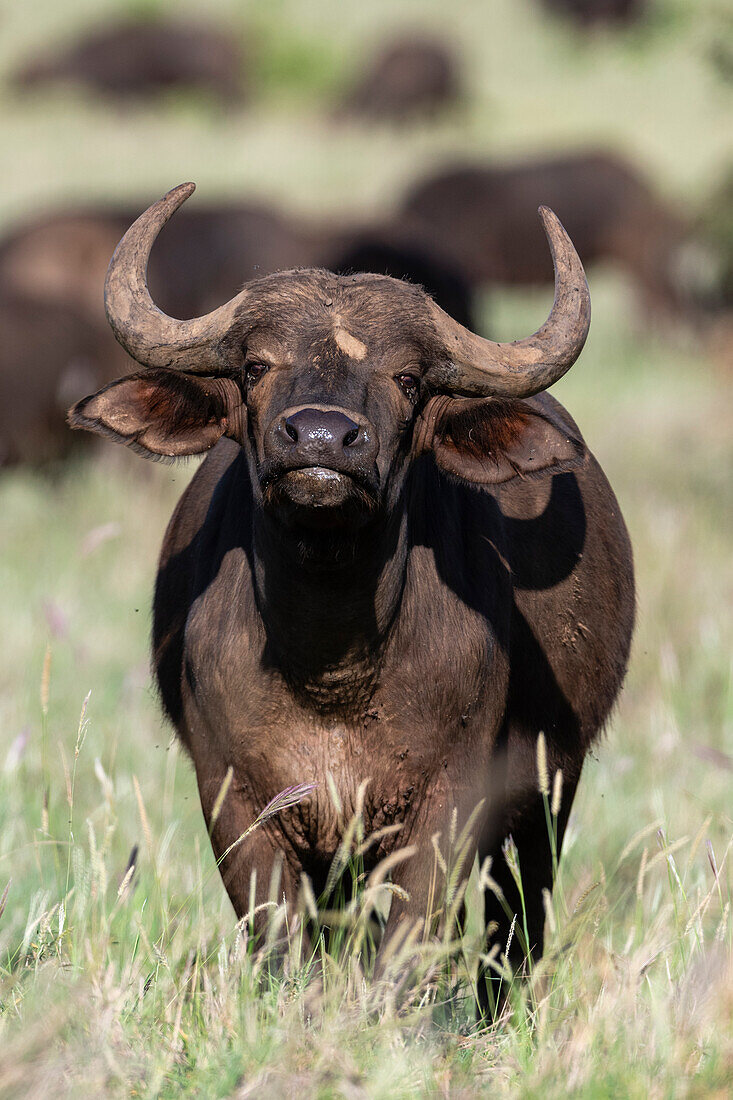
<point>414,77</point>
<point>136,59</point>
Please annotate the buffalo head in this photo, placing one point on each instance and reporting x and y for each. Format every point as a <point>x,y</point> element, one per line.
<point>331,384</point>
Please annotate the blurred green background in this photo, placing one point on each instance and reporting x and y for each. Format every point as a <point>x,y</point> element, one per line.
<point>535,82</point>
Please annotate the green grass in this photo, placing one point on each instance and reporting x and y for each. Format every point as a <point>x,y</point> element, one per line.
<point>145,987</point>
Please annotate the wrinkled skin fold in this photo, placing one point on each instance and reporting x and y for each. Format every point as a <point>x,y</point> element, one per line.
<point>376,573</point>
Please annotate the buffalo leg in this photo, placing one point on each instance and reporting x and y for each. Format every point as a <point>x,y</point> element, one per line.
<point>528,829</point>
<point>257,873</point>
<point>423,881</point>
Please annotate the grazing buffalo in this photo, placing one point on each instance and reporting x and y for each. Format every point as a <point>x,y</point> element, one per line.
<point>139,58</point>
<point>716,232</point>
<point>482,219</point>
<point>398,564</point>
<point>411,78</point>
<point>65,355</point>
<point>597,13</point>
<point>60,258</point>
<point>203,257</point>
<point>382,253</point>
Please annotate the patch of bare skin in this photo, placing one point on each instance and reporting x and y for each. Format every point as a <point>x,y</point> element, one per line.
<point>348,343</point>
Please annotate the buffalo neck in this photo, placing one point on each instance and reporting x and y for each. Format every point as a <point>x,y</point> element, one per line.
<point>328,607</point>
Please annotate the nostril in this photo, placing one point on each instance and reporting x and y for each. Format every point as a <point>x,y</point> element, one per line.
<point>291,431</point>
<point>351,437</point>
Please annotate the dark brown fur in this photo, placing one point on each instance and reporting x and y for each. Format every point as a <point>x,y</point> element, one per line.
<point>420,643</point>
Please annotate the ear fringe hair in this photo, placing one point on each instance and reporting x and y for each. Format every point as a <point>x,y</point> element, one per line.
<point>483,430</point>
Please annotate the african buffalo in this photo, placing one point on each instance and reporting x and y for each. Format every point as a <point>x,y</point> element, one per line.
<point>412,77</point>
<point>482,219</point>
<point>138,58</point>
<point>399,563</point>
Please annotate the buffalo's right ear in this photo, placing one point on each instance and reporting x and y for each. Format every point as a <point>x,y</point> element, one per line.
<point>163,412</point>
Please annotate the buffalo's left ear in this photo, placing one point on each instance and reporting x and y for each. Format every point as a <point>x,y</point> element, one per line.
<point>490,441</point>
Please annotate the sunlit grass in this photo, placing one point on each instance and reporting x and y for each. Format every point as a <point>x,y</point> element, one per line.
<point>132,979</point>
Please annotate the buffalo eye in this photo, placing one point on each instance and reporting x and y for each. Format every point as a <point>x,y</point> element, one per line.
<point>254,371</point>
<point>410,384</point>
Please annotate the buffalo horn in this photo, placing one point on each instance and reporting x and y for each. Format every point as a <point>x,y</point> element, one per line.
<point>148,334</point>
<point>475,367</point>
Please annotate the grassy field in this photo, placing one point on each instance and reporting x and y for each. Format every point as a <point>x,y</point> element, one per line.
<point>141,985</point>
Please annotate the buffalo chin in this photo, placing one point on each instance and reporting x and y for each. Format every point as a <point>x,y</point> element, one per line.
<point>320,498</point>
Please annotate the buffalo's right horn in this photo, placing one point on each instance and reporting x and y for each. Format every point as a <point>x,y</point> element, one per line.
<point>148,334</point>
<point>476,367</point>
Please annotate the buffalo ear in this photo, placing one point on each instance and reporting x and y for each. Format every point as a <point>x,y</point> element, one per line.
<point>491,441</point>
<point>162,412</point>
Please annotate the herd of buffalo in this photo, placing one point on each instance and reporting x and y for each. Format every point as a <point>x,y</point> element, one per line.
<point>140,57</point>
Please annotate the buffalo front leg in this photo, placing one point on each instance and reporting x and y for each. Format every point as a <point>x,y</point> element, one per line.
<point>522,867</point>
<point>428,881</point>
<point>261,881</point>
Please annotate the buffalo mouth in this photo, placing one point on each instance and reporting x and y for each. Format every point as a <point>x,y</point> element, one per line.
<point>321,497</point>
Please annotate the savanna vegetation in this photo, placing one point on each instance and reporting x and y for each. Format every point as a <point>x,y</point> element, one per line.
<point>122,969</point>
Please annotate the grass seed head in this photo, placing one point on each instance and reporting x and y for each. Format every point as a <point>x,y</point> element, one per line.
<point>543,776</point>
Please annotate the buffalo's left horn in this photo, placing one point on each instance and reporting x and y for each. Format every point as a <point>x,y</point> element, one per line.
<point>148,334</point>
<point>475,367</point>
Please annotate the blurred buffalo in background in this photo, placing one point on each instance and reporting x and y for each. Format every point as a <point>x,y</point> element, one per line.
<point>62,258</point>
<point>203,256</point>
<point>135,59</point>
<point>715,226</point>
<point>590,13</point>
<point>410,78</point>
<point>48,351</point>
<point>54,329</point>
<point>482,219</point>
<point>385,254</point>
